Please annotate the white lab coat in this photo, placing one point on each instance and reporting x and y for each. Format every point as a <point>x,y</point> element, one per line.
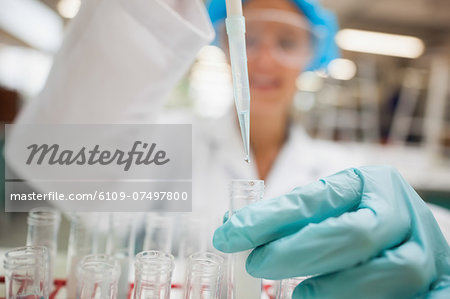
<point>121,58</point>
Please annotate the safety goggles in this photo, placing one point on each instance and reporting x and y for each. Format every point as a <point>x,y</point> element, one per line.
<point>285,36</point>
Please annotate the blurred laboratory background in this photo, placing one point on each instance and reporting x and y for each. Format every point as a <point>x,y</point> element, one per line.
<point>386,98</point>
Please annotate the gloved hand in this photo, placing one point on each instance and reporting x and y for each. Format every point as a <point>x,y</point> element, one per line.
<point>363,233</point>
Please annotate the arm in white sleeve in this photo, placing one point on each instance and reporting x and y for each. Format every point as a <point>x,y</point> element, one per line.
<point>119,60</point>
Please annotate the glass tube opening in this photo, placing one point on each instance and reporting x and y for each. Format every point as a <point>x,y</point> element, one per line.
<point>153,275</point>
<point>26,272</point>
<point>204,276</point>
<point>245,192</point>
<point>154,261</point>
<point>43,216</point>
<point>205,263</point>
<point>25,257</point>
<point>97,277</point>
<point>98,267</point>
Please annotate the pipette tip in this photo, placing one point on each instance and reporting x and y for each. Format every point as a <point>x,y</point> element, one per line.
<point>244,123</point>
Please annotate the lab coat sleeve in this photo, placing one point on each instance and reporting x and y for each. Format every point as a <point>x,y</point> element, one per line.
<point>119,60</point>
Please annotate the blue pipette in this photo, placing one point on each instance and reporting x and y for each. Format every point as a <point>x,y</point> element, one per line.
<point>235,24</point>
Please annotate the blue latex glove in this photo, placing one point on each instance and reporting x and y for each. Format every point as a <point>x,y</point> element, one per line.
<point>364,233</point>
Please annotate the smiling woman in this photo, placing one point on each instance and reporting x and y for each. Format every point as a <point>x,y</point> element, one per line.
<point>279,41</point>
<point>283,38</point>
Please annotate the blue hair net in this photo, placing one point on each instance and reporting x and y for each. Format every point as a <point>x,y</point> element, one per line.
<point>322,22</point>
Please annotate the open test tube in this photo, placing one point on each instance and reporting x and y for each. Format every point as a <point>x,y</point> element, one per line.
<point>158,232</point>
<point>192,237</point>
<point>240,284</point>
<point>97,277</point>
<point>81,243</point>
<point>43,227</point>
<point>153,275</point>
<point>120,245</point>
<point>26,272</point>
<point>203,276</point>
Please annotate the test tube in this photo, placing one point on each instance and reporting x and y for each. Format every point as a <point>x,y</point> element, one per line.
<point>153,275</point>
<point>97,277</point>
<point>43,227</point>
<point>287,286</point>
<point>26,273</point>
<point>192,237</point>
<point>240,284</point>
<point>203,276</point>
<point>158,232</point>
<point>120,244</point>
<point>81,242</point>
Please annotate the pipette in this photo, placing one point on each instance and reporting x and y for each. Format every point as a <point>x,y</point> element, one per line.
<point>235,24</point>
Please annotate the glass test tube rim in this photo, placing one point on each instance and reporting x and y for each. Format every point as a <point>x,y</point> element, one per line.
<point>150,261</point>
<point>43,216</point>
<point>28,255</point>
<point>245,191</point>
<point>207,260</point>
<point>85,267</point>
<point>203,274</point>
<point>251,182</point>
<point>241,184</point>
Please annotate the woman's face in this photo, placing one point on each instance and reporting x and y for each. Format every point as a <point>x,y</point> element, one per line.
<point>277,51</point>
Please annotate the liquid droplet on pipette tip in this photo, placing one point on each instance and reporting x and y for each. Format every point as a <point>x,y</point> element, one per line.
<point>247,159</point>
